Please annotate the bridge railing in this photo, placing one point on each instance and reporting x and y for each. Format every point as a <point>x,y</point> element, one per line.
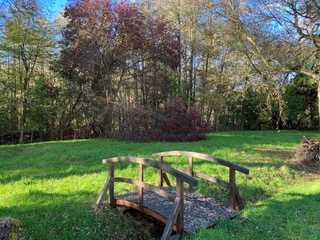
<point>235,200</point>
<point>176,218</point>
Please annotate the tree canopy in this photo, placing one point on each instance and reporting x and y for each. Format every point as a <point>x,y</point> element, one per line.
<point>138,69</point>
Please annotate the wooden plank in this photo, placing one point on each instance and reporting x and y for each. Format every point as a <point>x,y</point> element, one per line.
<point>163,176</point>
<point>170,222</point>
<point>190,163</point>
<point>102,196</point>
<point>180,197</point>
<point>156,164</point>
<point>161,173</point>
<point>111,186</point>
<point>232,187</point>
<point>204,157</point>
<point>141,177</point>
<point>200,211</point>
<point>190,170</point>
<point>166,179</point>
<point>239,200</point>
<point>160,191</point>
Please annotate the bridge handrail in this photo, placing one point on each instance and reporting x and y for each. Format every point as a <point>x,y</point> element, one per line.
<point>236,202</point>
<point>156,164</point>
<point>203,157</point>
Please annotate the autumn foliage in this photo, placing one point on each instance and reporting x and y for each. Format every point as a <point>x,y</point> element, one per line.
<point>178,123</point>
<point>172,122</point>
<point>101,34</point>
<point>110,48</point>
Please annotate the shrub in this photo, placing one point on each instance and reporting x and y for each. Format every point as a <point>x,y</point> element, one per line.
<point>137,124</point>
<point>178,123</point>
<point>174,122</point>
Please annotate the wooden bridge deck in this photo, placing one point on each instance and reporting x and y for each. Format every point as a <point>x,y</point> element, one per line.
<point>199,211</point>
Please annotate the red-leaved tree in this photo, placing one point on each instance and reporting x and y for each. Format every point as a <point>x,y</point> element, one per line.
<point>115,54</point>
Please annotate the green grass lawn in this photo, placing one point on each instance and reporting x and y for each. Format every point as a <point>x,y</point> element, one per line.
<point>51,186</point>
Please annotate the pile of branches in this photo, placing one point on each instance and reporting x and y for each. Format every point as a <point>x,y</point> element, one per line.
<point>309,152</point>
<point>10,229</point>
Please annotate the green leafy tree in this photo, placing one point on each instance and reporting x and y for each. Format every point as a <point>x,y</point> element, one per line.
<point>26,42</point>
<point>301,102</point>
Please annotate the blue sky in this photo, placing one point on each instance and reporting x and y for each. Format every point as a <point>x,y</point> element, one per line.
<point>53,7</point>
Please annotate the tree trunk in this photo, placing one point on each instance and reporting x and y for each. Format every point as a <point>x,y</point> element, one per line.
<point>190,88</point>
<point>23,114</point>
<point>21,132</point>
<point>318,104</point>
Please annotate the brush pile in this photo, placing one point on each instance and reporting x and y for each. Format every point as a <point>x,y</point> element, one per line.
<point>309,152</point>
<point>10,229</point>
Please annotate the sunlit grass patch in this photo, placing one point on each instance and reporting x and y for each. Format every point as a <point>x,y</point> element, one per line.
<point>51,186</point>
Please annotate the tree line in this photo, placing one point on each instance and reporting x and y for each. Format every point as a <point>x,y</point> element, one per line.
<point>158,69</point>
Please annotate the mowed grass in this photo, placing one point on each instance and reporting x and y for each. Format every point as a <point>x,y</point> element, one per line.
<point>292,214</point>
<point>52,186</point>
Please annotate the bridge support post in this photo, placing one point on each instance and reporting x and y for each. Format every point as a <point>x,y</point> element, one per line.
<point>111,187</point>
<point>232,189</point>
<point>141,190</point>
<point>180,202</point>
<point>161,173</point>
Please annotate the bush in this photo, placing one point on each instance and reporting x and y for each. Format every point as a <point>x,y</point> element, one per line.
<point>137,124</point>
<point>178,123</point>
<point>173,122</point>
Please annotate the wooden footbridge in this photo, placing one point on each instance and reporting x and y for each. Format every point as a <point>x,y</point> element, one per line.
<point>178,208</point>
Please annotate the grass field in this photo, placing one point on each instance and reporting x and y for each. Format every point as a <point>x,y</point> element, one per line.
<point>51,186</point>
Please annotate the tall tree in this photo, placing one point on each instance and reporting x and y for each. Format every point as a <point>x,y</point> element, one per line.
<point>26,42</point>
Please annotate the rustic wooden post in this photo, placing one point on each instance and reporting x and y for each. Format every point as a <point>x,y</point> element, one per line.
<point>161,172</point>
<point>180,202</point>
<point>232,188</point>
<point>111,188</point>
<point>141,179</point>
<point>190,166</point>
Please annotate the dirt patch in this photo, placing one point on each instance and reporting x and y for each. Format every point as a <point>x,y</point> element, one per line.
<point>149,228</point>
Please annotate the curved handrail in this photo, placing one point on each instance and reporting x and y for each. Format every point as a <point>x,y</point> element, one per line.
<point>156,164</point>
<point>203,157</point>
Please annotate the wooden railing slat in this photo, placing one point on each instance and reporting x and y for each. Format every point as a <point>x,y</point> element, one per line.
<point>180,198</point>
<point>235,201</point>
<point>166,179</point>
<point>141,177</point>
<point>190,162</point>
<point>103,193</point>
<point>232,186</point>
<point>156,164</point>
<point>204,157</point>
<point>111,186</point>
<point>161,173</point>
<point>171,220</point>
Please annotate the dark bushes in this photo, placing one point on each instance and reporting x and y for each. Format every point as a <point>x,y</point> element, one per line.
<point>137,123</point>
<point>172,122</point>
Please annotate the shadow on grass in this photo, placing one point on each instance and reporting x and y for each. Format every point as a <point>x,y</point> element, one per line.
<point>54,216</point>
<point>292,216</point>
<point>52,174</point>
